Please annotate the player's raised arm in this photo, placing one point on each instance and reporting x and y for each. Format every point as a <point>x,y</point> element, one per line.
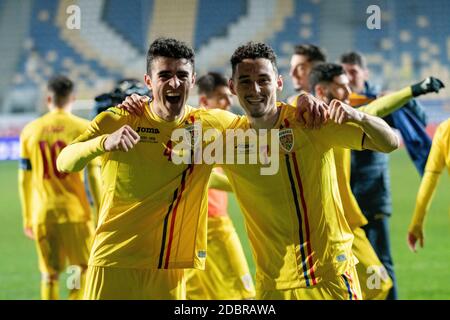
<point>379,136</point>
<point>389,103</point>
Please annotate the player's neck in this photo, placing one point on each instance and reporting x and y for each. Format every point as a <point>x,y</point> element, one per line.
<point>65,108</point>
<point>359,89</point>
<point>166,114</point>
<point>267,121</point>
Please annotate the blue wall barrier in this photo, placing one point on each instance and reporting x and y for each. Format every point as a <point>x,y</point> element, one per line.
<point>9,148</point>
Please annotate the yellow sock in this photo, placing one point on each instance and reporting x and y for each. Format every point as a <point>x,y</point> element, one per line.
<point>49,290</point>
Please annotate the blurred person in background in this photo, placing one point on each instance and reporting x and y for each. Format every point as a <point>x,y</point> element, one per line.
<point>55,206</point>
<point>305,57</point>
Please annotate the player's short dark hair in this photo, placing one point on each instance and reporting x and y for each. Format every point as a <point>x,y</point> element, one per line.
<point>209,82</point>
<point>61,87</point>
<point>169,48</point>
<point>354,57</point>
<point>314,53</point>
<point>324,73</point>
<point>253,50</point>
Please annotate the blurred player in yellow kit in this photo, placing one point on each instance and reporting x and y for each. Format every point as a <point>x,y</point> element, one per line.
<point>438,160</point>
<point>152,221</point>
<point>226,275</point>
<point>55,207</point>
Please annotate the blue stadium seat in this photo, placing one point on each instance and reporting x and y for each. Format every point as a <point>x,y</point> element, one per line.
<point>214,16</point>
<point>130,19</point>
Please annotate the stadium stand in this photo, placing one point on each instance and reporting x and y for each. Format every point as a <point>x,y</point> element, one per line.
<point>114,35</point>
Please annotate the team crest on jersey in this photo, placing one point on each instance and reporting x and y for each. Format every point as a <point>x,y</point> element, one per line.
<point>193,133</point>
<point>286,139</point>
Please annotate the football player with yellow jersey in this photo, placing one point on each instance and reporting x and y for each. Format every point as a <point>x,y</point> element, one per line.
<point>299,235</point>
<point>152,221</point>
<point>437,161</point>
<point>55,207</point>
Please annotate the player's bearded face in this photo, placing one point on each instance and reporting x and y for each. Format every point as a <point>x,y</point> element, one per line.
<point>170,81</point>
<point>339,89</point>
<point>255,82</point>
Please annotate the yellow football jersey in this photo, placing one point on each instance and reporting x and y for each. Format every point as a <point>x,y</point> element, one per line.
<point>352,211</point>
<point>294,219</point>
<point>439,157</point>
<point>48,195</point>
<point>226,275</point>
<point>438,160</point>
<point>153,212</point>
<point>380,107</point>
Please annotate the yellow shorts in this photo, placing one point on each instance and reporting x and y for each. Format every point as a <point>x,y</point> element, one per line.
<point>57,244</point>
<point>226,275</point>
<point>342,287</point>
<point>110,283</point>
<point>374,279</point>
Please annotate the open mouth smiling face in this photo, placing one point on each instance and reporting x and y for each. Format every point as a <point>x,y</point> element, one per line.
<point>171,80</point>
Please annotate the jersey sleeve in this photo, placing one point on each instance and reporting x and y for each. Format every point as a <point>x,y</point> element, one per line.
<point>95,184</point>
<point>347,135</point>
<point>89,145</point>
<point>330,135</point>
<point>436,158</point>
<point>387,104</point>
<point>423,200</point>
<point>435,165</point>
<point>25,181</point>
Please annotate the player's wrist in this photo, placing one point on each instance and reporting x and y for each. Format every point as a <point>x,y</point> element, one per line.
<point>358,117</point>
<point>417,90</point>
<point>104,143</point>
<point>415,228</point>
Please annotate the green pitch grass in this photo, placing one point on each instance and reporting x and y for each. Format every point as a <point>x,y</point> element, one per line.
<point>424,275</point>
